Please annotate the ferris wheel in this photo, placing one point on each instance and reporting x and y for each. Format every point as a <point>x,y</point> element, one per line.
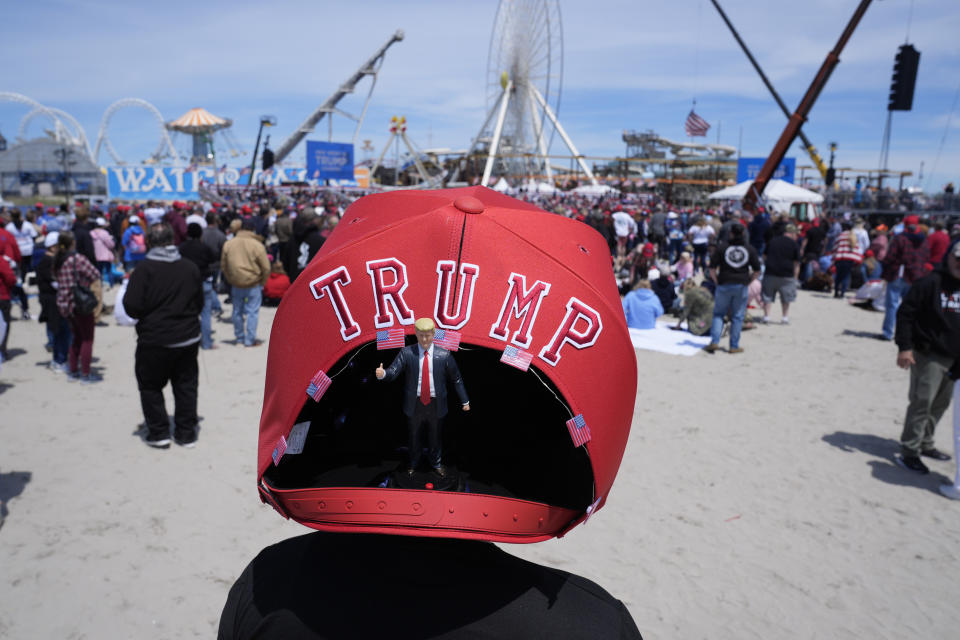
<point>165,148</point>
<point>523,87</point>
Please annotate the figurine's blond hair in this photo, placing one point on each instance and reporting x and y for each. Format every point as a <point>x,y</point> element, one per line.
<point>424,324</point>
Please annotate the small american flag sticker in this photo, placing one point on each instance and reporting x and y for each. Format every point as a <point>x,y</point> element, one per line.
<point>516,358</point>
<point>447,338</point>
<point>319,384</point>
<point>390,338</point>
<point>579,431</point>
<point>279,450</point>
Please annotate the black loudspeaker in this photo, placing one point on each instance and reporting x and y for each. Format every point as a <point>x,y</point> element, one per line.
<point>904,78</point>
<point>267,159</point>
<point>831,176</point>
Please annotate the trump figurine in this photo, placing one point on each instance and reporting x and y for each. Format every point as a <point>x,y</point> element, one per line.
<point>425,368</point>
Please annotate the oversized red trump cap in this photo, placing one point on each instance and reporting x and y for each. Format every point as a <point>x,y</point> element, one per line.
<point>527,305</point>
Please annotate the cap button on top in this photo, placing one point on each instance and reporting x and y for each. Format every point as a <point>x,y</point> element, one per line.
<point>468,204</point>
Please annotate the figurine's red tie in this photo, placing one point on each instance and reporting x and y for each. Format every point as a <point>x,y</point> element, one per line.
<point>425,380</point>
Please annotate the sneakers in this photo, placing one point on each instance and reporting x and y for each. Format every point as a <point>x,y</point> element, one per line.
<point>711,348</point>
<point>784,320</point>
<point>73,376</point>
<point>735,350</point>
<point>57,367</point>
<point>186,444</point>
<point>911,462</point>
<point>441,471</point>
<point>255,343</point>
<point>90,378</point>
<point>765,320</point>
<point>159,443</point>
<point>935,453</point>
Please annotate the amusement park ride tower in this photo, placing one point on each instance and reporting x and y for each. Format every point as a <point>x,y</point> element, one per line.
<point>200,124</point>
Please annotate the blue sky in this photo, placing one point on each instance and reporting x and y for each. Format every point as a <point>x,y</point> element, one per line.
<point>627,65</point>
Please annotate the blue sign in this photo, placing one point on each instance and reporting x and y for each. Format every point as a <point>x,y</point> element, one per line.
<point>748,168</point>
<point>329,161</point>
<point>182,183</point>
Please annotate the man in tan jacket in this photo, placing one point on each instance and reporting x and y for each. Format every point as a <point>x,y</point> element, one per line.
<point>245,266</point>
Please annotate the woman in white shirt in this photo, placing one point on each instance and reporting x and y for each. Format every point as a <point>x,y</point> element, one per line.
<point>25,233</point>
<point>700,234</point>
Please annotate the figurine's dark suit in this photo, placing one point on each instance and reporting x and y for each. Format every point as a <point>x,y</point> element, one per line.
<point>443,368</point>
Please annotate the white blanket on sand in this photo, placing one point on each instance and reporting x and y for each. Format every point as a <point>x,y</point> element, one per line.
<point>664,339</point>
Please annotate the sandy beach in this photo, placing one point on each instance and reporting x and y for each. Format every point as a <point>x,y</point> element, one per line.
<point>758,497</point>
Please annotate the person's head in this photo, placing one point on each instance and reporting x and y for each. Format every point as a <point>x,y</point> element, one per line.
<point>910,222</point>
<point>424,328</point>
<point>953,259</point>
<point>248,224</point>
<point>737,233</point>
<point>685,256</point>
<point>159,235</point>
<point>50,241</point>
<point>790,230</point>
<point>212,219</point>
<point>643,284</point>
<point>277,267</point>
<point>194,230</point>
<point>688,284</point>
<point>235,225</point>
<point>65,241</point>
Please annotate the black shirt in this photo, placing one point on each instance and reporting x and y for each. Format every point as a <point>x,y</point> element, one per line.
<point>780,256</point>
<point>735,262</point>
<point>815,238</point>
<point>335,585</point>
<point>200,254</point>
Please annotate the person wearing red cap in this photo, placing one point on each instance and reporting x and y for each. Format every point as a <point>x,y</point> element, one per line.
<point>553,378</point>
<point>928,339</point>
<point>904,263</point>
<point>425,396</point>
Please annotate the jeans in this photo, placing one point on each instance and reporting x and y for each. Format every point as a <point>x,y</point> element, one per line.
<point>246,302</point>
<point>730,298</point>
<point>206,336</point>
<point>895,292</point>
<point>81,349</point>
<point>844,270</point>
<point>62,337</point>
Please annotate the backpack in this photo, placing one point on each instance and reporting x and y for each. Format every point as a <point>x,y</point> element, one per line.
<point>136,244</point>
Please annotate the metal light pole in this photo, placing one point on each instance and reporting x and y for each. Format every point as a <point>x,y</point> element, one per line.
<point>64,153</point>
<point>265,121</point>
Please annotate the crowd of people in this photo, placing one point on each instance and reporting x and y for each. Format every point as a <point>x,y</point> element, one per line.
<point>705,267</point>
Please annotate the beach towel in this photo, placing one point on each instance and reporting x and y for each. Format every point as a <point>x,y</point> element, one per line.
<point>665,340</point>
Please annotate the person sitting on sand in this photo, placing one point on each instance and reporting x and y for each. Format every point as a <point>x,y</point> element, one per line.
<point>642,307</point>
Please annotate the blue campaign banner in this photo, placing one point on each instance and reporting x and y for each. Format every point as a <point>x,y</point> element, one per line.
<point>329,161</point>
<point>182,183</point>
<point>748,168</point>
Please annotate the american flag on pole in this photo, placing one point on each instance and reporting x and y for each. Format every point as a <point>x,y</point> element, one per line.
<point>447,338</point>
<point>389,338</point>
<point>695,125</point>
<point>279,450</point>
<point>579,431</point>
<point>516,358</point>
<point>319,384</point>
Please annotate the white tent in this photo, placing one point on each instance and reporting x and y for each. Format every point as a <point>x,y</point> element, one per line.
<point>502,186</point>
<point>538,187</point>
<point>778,194</point>
<point>595,190</point>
